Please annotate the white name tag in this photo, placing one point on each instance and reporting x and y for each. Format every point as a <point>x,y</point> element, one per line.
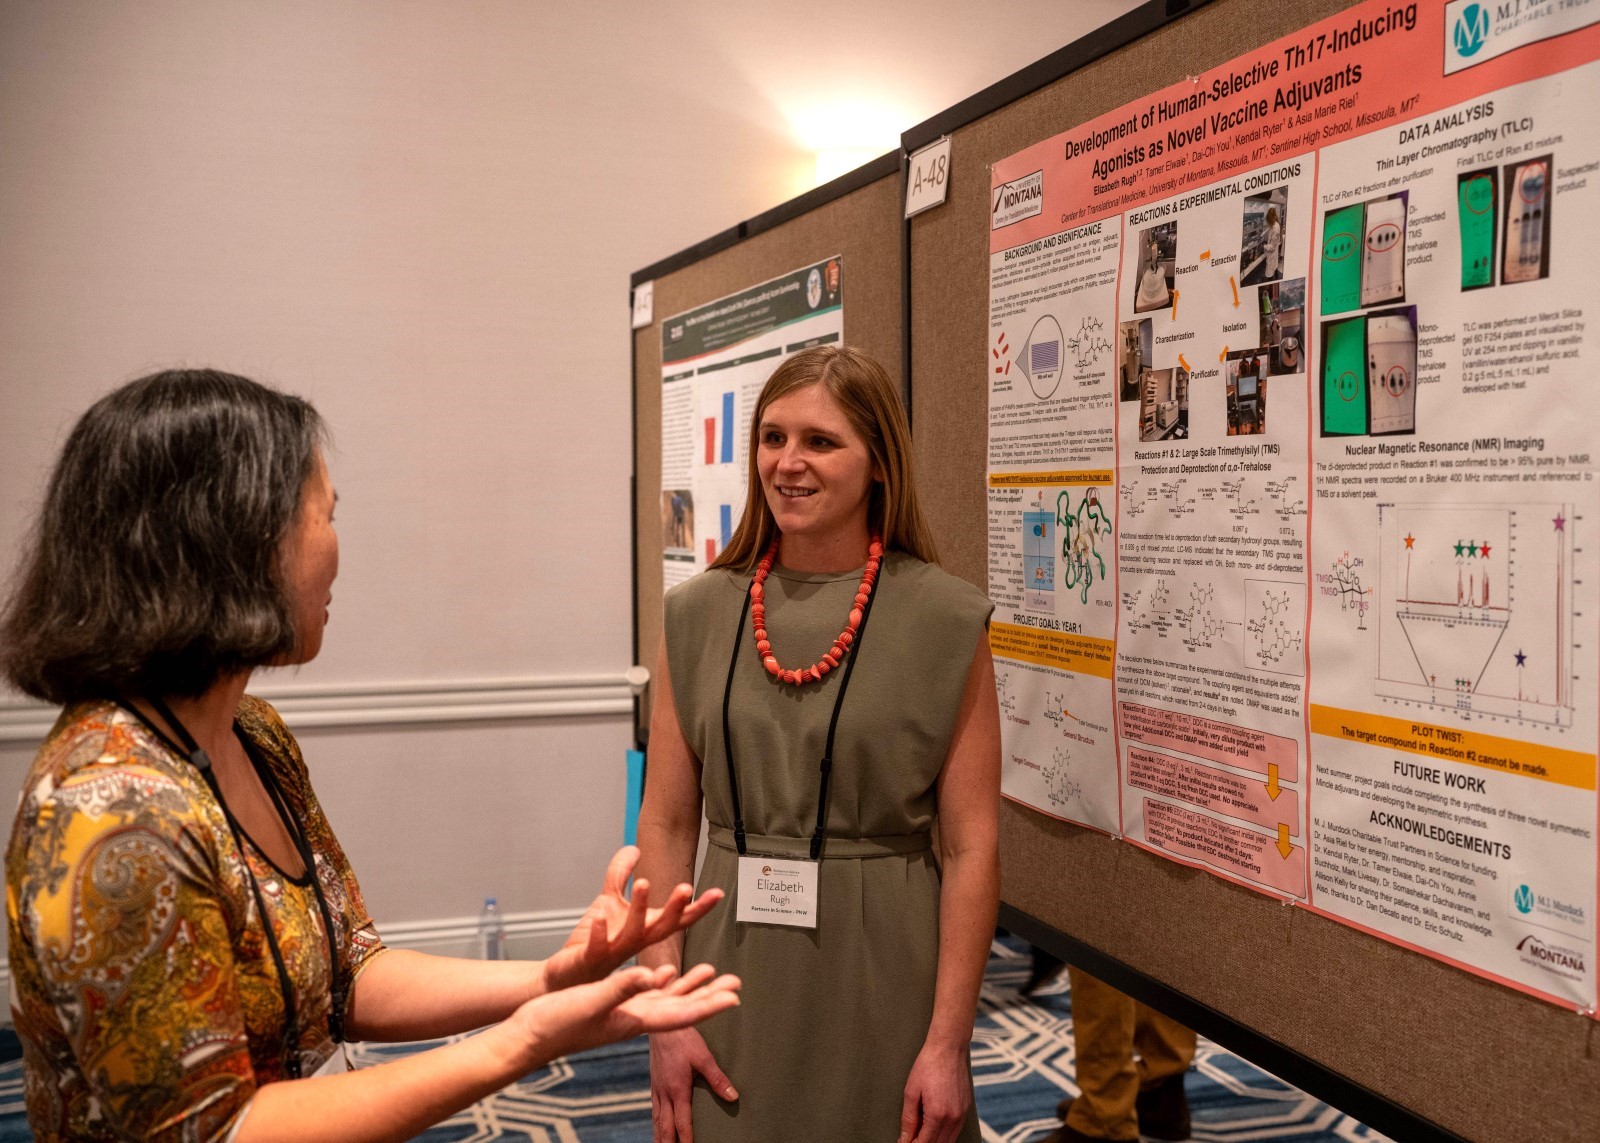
<point>777,891</point>
<point>336,1064</point>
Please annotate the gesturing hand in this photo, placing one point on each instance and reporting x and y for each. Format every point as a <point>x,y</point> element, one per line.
<point>614,928</point>
<point>626,1004</point>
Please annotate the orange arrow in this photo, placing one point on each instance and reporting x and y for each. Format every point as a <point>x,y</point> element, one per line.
<point>1284,845</point>
<point>1175,305</point>
<point>1273,789</point>
<point>1183,361</point>
<point>1223,356</point>
<point>1235,286</point>
<point>1205,255</point>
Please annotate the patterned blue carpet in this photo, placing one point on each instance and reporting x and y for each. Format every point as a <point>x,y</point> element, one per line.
<point>1022,1058</point>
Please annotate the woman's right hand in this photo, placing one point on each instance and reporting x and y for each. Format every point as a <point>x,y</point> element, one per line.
<point>675,1057</point>
<point>623,1005</point>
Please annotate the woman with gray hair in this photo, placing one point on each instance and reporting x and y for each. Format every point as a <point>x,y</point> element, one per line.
<point>189,946</point>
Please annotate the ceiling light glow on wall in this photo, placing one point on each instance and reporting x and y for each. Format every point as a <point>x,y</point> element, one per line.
<point>835,161</point>
<point>845,135</point>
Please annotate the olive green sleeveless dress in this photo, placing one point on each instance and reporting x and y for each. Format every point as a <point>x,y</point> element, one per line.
<point>831,1019</point>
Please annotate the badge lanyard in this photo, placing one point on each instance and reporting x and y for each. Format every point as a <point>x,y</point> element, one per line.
<point>198,758</point>
<point>833,724</point>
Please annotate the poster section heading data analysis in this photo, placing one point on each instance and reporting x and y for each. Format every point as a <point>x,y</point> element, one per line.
<point>714,362</point>
<point>1292,503</point>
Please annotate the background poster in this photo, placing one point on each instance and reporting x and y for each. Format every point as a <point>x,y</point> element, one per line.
<point>714,361</point>
<point>1289,510</point>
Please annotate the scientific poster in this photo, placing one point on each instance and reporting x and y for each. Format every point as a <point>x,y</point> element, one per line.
<point>1291,486</point>
<point>714,362</point>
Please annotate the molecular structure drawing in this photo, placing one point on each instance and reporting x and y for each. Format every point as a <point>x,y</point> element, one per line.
<point>1284,501</point>
<point>1276,625</point>
<point>1088,345</point>
<point>1060,787</point>
<point>1205,627</point>
<point>1345,582</point>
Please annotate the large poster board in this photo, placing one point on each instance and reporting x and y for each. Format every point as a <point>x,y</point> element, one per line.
<point>1289,490</point>
<point>714,361</point>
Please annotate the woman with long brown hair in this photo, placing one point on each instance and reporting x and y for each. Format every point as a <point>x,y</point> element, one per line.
<point>826,693</point>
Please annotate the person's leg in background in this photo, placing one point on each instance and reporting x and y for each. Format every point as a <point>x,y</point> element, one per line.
<point>1102,1030</point>
<point>1122,1099</point>
<point>1166,1049</point>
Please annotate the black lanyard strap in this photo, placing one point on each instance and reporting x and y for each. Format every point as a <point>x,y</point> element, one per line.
<point>826,766</point>
<point>308,859</point>
<point>187,747</point>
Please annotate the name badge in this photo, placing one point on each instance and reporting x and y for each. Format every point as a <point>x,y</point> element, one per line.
<point>777,891</point>
<point>336,1064</point>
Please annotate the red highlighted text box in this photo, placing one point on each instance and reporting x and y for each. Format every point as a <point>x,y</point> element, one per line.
<point>1213,789</point>
<point>1228,848</point>
<point>1231,745</point>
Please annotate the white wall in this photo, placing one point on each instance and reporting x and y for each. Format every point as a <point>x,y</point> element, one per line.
<point>422,216</point>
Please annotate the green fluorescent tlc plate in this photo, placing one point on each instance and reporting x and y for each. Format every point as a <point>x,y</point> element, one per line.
<point>1341,258</point>
<point>1344,377</point>
<point>1475,197</point>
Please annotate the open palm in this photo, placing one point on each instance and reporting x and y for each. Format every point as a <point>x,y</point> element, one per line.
<point>633,1002</point>
<point>616,927</point>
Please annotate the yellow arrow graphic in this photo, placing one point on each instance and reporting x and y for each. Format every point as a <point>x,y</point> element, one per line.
<point>1235,286</point>
<point>1223,356</point>
<point>1183,361</point>
<point>1205,255</point>
<point>1174,305</point>
<point>1273,789</point>
<point>1284,845</point>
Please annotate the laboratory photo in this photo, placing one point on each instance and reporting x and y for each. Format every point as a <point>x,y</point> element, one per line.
<point>1283,308</point>
<point>1246,392</point>
<point>1133,357</point>
<point>1157,267</point>
<point>1163,404</point>
<point>1261,246</point>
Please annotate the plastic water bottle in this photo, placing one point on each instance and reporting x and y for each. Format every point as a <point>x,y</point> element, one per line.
<point>491,931</point>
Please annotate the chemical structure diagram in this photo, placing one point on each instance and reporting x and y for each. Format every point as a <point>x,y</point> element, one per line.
<point>1344,581</point>
<point>1082,526</point>
<point>1060,787</point>
<point>1170,493</point>
<point>1240,506</point>
<point>1155,612</point>
<point>1005,693</point>
<point>1276,625</point>
<point>1285,502</point>
<point>1087,344</point>
<point>1055,709</point>
<point>1205,629</point>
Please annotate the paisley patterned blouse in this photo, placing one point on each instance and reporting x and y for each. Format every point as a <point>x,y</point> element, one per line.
<point>143,990</point>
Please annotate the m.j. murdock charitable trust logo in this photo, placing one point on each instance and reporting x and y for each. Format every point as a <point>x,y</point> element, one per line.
<point>1472,29</point>
<point>1523,899</point>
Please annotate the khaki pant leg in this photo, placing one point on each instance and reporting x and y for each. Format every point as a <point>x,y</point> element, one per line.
<point>1103,1027</point>
<point>1166,1047</point>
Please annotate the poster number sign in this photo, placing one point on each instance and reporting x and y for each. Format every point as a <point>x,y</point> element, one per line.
<point>928,180</point>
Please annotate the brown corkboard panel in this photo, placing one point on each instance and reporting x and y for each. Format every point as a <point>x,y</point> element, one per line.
<point>1475,1057</point>
<point>864,227</point>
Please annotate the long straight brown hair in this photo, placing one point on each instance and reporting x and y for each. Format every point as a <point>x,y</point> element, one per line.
<point>873,406</point>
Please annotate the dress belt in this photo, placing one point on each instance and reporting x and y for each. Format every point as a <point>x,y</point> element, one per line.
<point>886,846</point>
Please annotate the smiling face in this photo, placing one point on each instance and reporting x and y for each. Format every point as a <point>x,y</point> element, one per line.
<point>310,563</point>
<point>816,470</point>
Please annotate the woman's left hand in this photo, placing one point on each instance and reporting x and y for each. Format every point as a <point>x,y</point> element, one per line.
<point>615,928</point>
<point>938,1097</point>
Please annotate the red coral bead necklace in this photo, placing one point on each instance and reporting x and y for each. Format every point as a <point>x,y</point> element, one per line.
<point>836,653</point>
